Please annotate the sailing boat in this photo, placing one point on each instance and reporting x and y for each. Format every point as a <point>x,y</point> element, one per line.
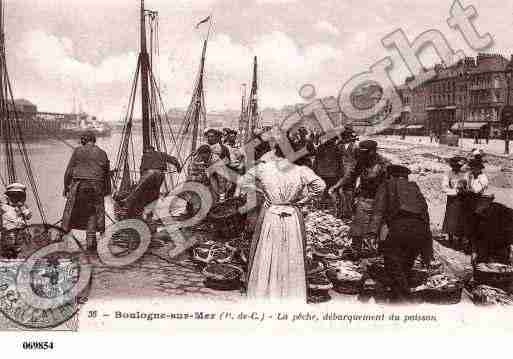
<point>17,166</point>
<point>10,129</point>
<point>195,120</point>
<point>156,127</point>
<point>251,122</point>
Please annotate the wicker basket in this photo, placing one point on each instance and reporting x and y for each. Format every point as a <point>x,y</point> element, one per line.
<point>450,294</point>
<point>232,281</point>
<point>503,281</point>
<point>318,296</point>
<point>350,287</point>
<point>417,277</point>
<point>222,284</point>
<point>226,218</point>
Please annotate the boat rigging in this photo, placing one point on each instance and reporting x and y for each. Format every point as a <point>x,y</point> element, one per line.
<point>10,130</point>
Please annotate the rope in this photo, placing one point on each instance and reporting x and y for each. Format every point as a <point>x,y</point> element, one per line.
<point>11,129</point>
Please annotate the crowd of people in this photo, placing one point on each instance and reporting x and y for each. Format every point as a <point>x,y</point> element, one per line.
<point>336,171</point>
<point>473,222</point>
<point>371,192</point>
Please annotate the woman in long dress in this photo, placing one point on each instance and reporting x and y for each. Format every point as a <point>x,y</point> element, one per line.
<point>277,257</point>
<point>453,184</point>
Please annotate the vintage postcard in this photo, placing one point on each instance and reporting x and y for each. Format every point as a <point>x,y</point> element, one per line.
<point>276,165</point>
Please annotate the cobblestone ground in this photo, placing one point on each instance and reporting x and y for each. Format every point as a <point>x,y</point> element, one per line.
<point>430,183</point>
<point>152,276</point>
<point>155,275</point>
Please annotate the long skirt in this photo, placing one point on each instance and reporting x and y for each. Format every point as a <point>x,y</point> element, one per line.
<point>85,207</point>
<point>454,219</point>
<point>364,209</point>
<point>345,205</point>
<point>277,258</point>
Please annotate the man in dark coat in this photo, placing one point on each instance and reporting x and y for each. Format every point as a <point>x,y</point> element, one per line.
<point>218,183</point>
<point>401,205</point>
<point>86,182</point>
<point>328,164</point>
<point>370,168</point>
<point>153,166</point>
<point>494,237</point>
<point>348,150</point>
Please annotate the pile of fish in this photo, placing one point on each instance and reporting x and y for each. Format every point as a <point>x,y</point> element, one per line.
<point>325,233</point>
<point>493,284</point>
<point>438,281</point>
<point>494,268</point>
<point>486,295</point>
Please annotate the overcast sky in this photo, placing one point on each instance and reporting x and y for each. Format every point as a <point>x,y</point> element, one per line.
<point>58,49</point>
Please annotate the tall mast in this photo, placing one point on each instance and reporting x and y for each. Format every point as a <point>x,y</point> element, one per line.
<point>7,107</point>
<point>252,120</point>
<point>242,112</point>
<point>143,57</point>
<point>199,99</point>
<point>2,40</point>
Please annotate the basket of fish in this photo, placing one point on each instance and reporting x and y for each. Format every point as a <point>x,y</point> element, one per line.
<point>318,286</point>
<point>227,219</point>
<point>346,277</point>
<point>376,269</point>
<point>223,276</point>
<point>420,272</point>
<point>486,295</point>
<point>440,289</point>
<point>327,252</point>
<point>211,251</point>
<point>496,275</point>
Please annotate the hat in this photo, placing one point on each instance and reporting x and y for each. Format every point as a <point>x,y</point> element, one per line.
<point>88,136</point>
<point>456,160</point>
<point>302,129</point>
<point>213,131</point>
<point>348,128</point>
<point>476,163</point>
<point>368,145</point>
<point>204,149</point>
<point>15,187</point>
<point>398,170</point>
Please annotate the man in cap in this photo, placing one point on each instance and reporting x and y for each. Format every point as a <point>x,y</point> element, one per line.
<point>152,169</point>
<point>370,169</point>
<point>329,164</point>
<point>476,201</point>
<point>401,205</point>
<point>348,150</point>
<point>86,182</point>
<point>14,217</point>
<point>237,158</point>
<point>218,184</point>
<point>214,138</point>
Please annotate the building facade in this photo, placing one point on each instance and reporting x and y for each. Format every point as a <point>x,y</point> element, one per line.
<point>465,98</point>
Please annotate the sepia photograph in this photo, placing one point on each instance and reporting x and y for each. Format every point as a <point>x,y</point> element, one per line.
<point>221,164</point>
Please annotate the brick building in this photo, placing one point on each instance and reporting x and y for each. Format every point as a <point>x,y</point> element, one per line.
<point>466,97</point>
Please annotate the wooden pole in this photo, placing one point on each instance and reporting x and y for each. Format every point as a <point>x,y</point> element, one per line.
<point>144,83</point>
<point>198,98</point>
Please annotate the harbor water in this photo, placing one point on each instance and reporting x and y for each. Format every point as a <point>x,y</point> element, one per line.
<point>49,159</point>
